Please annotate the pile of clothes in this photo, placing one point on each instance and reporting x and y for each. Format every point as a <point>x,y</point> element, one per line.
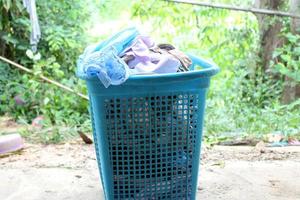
<point>130,53</point>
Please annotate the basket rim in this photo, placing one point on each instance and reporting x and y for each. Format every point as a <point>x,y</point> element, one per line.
<point>209,69</point>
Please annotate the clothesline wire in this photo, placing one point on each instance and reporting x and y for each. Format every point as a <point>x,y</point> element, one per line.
<point>236,8</point>
<point>66,88</point>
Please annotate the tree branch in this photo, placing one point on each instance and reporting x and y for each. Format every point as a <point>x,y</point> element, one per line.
<point>236,8</point>
<point>44,78</point>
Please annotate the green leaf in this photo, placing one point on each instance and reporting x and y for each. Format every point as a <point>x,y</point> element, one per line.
<point>29,53</point>
<point>7,4</point>
<point>46,100</point>
<point>286,58</point>
<point>277,53</point>
<point>292,38</point>
<point>279,66</point>
<point>297,51</point>
<point>19,5</point>
<point>37,57</point>
<point>10,39</point>
<point>294,75</point>
<point>55,65</point>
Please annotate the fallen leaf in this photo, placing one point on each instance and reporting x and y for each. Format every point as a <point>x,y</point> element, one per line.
<point>85,138</point>
<point>220,163</point>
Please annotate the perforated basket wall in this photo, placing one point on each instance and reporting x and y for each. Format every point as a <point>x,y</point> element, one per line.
<point>151,143</point>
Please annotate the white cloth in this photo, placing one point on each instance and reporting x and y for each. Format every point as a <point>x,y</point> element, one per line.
<point>35,27</point>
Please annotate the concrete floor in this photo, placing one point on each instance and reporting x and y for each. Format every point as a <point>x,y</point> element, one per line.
<point>69,171</point>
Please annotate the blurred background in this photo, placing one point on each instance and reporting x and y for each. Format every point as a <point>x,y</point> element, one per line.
<point>256,93</point>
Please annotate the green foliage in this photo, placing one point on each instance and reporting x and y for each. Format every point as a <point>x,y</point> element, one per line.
<point>242,99</point>
<point>288,58</point>
<point>14,28</point>
<point>50,135</point>
<point>62,24</point>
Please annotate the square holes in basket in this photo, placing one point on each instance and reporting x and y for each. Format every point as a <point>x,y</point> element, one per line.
<point>151,144</point>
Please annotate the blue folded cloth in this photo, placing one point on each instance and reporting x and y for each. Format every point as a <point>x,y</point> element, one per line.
<point>107,66</point>
<point>102,59</point>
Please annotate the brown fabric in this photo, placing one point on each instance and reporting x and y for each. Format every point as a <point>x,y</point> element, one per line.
<point>127,58</point>
<point>182,57</point>
<point>167,47</point>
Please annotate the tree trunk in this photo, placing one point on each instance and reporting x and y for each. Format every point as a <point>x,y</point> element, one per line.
<point>291,89</point>
<point>269,31</point>
<point>295,24</point>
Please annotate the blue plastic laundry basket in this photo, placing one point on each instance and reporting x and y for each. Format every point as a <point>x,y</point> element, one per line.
<point>148,132</point>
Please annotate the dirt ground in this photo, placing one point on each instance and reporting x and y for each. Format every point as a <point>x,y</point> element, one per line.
<point>69,171</point>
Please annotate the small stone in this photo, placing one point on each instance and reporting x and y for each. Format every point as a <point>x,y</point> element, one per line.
<point>200,188</point>
<point>78,176</point>
<point>260,147</point>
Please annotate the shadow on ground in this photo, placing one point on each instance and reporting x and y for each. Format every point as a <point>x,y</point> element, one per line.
<point>69,171</point>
